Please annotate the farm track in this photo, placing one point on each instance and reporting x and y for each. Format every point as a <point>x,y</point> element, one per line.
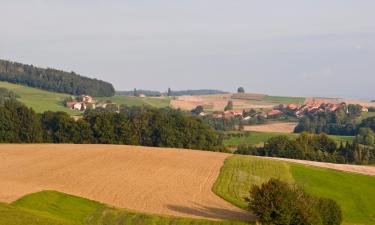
<point>365,170</point>
<point>152,180</point>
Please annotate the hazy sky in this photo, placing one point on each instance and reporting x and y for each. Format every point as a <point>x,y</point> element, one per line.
<point>288,47</point>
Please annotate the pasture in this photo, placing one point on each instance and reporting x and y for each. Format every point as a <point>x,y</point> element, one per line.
<point>354,192</point>
<point>51,207</point>
<point>258,138</point>
<point>157,102</point>
<point>38,99</point>
<point>173,182</point>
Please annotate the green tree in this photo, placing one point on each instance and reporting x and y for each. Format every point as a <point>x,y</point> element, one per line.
<point>229,106</point>
<point>365,136</point>
<point>240,90</point>
<point>198,110</point>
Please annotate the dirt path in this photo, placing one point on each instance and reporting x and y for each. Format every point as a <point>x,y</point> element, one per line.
<point>366,170</point>
<point>272,127</point>
<point>161,181</point>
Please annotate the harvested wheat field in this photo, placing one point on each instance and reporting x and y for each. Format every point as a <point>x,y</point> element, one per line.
<point>218,102</point>
<point>153,180</point>
<point>272,127</point>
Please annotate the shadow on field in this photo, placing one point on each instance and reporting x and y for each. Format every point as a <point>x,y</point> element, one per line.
<point>214,213</point>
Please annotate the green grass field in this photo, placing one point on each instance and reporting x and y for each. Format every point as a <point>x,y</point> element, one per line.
<point>354,193</point>
<point>366,115</point>
<point>50,207</point>
<point>284,100</point>
<point>39,100</point>
<point>253,138</point>
<point>161,102</point>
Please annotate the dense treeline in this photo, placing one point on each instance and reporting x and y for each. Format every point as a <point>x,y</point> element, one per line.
<point>133,126</point>
<point>340,122</point>
<point>317,148</point>
<point>53,80</point>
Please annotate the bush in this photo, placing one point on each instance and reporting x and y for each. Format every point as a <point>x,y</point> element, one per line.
<point>330,211</point>
<point>278,203</point>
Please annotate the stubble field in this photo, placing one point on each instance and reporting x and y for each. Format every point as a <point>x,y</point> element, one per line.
<point>171,182</point>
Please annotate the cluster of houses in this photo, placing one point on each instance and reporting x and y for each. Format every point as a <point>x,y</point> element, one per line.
<point>300,111</point>
<point>80,105</point>
<point>84,101</point>
<point>279,110</point>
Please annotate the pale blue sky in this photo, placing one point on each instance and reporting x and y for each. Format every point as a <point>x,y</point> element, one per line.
<point>289,47</point>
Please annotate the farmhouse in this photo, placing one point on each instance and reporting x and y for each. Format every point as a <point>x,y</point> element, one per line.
<point>86,98</point>
<point>76,105</point>
<point>233,113</point>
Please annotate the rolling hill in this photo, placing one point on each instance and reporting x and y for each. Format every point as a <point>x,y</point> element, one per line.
<point>51,207</point>
<point>147,177</point>
<point>38,99</point>
<point>353,192</point>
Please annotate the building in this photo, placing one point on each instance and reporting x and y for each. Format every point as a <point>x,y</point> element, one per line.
<point>87,98</point>
<point>75,105</point>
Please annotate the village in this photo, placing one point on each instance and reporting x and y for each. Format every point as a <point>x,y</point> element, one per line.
<point>281,110</point>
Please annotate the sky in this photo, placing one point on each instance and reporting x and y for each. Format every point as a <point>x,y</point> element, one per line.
<point>289,47</point>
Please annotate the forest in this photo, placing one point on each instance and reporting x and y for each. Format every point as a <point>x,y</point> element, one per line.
<point>53,80</point>
<point>132,126</point>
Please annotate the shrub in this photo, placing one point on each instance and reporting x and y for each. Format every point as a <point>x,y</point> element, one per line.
<point>330,212</point>
<point>277,203</point>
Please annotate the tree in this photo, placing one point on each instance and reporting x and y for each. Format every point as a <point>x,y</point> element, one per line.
<point>169,92</point>
<point>229,106</point>
<point>198,110</point>
<point>240,90</point>
<point>365,136</point>
<point>276,202</point>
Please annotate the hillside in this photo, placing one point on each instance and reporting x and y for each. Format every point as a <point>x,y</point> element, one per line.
<point>39,100</point>
<point>53,80</point>
<point>147,177</point>
<point>51,207</point>
<point>353,192</point>
<point>157,102</point>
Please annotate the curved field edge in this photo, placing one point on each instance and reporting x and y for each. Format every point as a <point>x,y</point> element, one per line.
<point>51,207</point>
<point>353,192</point>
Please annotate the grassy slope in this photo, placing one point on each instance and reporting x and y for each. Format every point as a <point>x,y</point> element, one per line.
<point>138,101</point>
<point>10,215</point>
<point>366,115</point>
<point>355,193</point>
<point>260,137</point>
<point>39,100</point>
<point>50,207</point>
<point>239,173</point>
<point>284,100</point>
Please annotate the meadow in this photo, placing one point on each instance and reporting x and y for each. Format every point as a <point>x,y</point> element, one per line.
<point>38,99</point>
<point>353,192</point>
<point>157,102</point>
<point>257,138</point>
<point>51,207</point>
<point>284,100</point>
